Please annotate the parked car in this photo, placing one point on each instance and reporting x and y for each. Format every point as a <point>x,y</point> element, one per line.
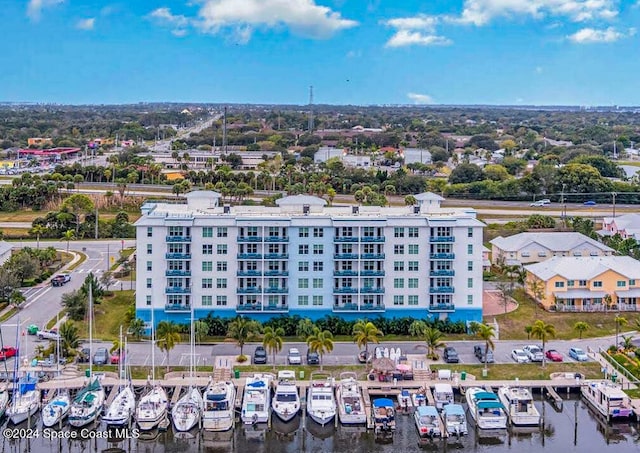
<point>294,357</point>
<point>363,357</point>
<point>553,355</point>
<point>313,358</point>
<point>84,355</point>
<point>479,352</point>
<point>115,358</point>
<point>101,356</point>
<point>7,352</point>
<point>545,201</point>
<point>534,352</point>
<point>33,329</point>
<point>260,356</point>
<point>450,355</point>
<point>48,334</point>
<point>519,356</point>
<point>578,354</point>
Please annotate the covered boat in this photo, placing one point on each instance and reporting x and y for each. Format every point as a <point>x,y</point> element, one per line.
<point>486,409</point>
<point>87,405</point>
<point>25,401</point>
<point>455,420</point>
<point>428,422</point>
<point>256,401</point>
<point>219,399</point>
<point>350,403</point>
<point>384,416</point>
<point>57,409</point>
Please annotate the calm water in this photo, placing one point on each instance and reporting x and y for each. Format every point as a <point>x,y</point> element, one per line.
<point>559,435</point>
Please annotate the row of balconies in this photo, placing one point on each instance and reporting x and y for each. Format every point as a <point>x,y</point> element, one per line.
<point>335,239</point>
<point>250,308</point>
<point>277,273</point>
<point>266,256</point>
<point>337,256</point>
<point>263,239</point>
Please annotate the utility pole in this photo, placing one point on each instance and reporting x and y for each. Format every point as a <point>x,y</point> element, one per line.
<point>613,195</point>
<point>224,132</point>
<point>310,125</point>
<point>564,206</point>
<point>96,223</point>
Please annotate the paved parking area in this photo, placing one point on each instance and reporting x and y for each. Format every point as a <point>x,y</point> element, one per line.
<point>492,304</point>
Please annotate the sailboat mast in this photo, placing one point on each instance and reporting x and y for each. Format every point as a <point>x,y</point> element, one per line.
<point>120,358</point>
<point>90,330</point>
<point>16,366</point>
<point>153,348</point>
<point>191,347</point>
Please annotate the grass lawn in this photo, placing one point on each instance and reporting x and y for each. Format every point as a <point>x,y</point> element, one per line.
<point>512,324</point>
<point>633,393</point>
<point>108,316</point>
<point>16,233</point>
<point>529,371</point>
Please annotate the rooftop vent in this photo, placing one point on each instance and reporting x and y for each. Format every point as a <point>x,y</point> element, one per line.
<point>227,209</point>
<point>305,209</point>
<point>416,209</point>
<point>355,209</point>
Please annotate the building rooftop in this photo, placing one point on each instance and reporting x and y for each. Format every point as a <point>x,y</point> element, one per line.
<point>585,267</point>
<point>556,241</point>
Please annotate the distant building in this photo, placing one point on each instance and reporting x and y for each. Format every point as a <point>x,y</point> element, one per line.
<point>201,159</point>
<point>326,152</point>
<point>416,155</point>
<point>39,141</point>
<point>353,160</point>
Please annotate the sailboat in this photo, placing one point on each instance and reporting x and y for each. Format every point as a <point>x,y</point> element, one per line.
<point>4,391</point>
<point>188,410</point>
<point>87,405</point>
<point>26,398</point>
<point>123,405</point>
<point>152,408</point>
<point>57,409</point>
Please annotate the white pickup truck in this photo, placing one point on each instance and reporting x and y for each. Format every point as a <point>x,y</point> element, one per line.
<point>48,335</point>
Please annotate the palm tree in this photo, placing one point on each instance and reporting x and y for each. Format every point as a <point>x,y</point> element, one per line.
<point>117,345</point>
<point>167,335</point>
<point>365,333</point>
<point>543,332</point>
<point>627,343</point>
<point>136,328</point>
<point>320,341</point>
<point>620,321</point>
<point>581,327</point>
<point>242,330</point>
<point>272,341</point>
<point>486,333</point>
<point>69,339</point>
<point>69,235</point>
<point>37,231</point>
<point>527,330</point>
<point>433,337</point>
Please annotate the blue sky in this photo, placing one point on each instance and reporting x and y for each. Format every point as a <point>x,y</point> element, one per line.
<point>578,52</point>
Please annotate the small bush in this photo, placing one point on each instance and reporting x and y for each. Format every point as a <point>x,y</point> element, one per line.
<point>242,358</point>
<point>29,282</point>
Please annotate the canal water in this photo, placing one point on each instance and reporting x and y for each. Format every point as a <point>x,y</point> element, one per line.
<point>574,429</point>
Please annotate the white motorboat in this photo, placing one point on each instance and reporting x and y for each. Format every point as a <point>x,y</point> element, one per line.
<point>188,410</point>
<point>419,397</point>
<point>519,406</point>
<point>486,409</point>
<point>25,401</point>
<point>122,407</point>
<point>443,395</point>
<point>608,399</point>
<point>56,409</point>
<point>152,408</point>
<point>428,422</point>
<point>87,405</point>
<point>286,401</point>
<point>405,401</point>
<point>350,402</point>
<point>219,402</point>
<point>321,404</point>
<point>256,401</point>
<point>455,420</point>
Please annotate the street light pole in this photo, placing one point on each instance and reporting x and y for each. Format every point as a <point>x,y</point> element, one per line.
<point>564,206</point>
<point>613,194</point>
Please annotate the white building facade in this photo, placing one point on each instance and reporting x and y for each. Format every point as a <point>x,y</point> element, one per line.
<point>304,258</point>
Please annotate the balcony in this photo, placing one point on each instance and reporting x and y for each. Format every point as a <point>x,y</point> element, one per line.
<point>372,290</point>
<point>248,307</point>
<point>178,256</point>
<point>346,307</point>
<point>276,273</point>
<point>277,239</point>
<point>249,273</point>
<point>372,307</point>
<point>249,239</point>
<point>249,290</point>
<point>442,307</point>
<point>345,290</point>
<point>372,273</point>
<point>442,239</point>
<point>276,256</point>
<point>177,290</point>
<point>442,256</point>
<point>249,256</point>
<point>345,273</point>
<point>178,238</point>
<point>372,256</point>
<point>277,308</point>
<point>345,256</point>
<point>177,307</point>
<point>372,239</point>
<point>442,273</point>
<point>276,290</point>
<point>345,239</point>
<point>441,290</point>
<point>177,273</point>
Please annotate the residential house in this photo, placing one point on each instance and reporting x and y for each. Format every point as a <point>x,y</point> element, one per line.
<point>627,226</point>
<point>5,252</point>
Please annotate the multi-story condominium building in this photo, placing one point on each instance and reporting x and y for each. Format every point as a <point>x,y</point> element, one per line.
<point>303,257</point>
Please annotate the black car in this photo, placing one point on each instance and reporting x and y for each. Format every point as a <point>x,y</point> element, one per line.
<point>260,356</point>
<point>479,352</point>
<point>313,358</point>
<point>84,355</point>
<point>450,355</point>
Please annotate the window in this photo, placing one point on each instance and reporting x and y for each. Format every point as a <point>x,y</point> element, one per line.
<point>525,254</point>
<point>207,232</point>
<point>582,282</point>
<point>149,283</point>
<point>207,283</point>
<point>469,232</point>
<point>621,283</point>
<point>303,300</point>
<point>597,284</point>
<point>413,233</point>
<point>559,285</point>
<point>221,283</point>
<point>414,249</point>
<point>318,266</point>
<point>207,266</point>
<point>469,299</point>
<point>577,254</point>
<point>469,283</point>
<point>149,265</point>
<point>318,249</point>
<point>317,300</point>
<point>221,249</point>
<point>398,282</point>
<point>570,282</point>
<point>632,283</point>
<point>469,265</point>
<point>303,249</point>
<point>207,301</point>
<point>318,232</point>
<point>398,232</point>
<point>398,266</point>
<point>149,249</point>
<point>398,300</point>
<point>303,266</point>
<point>412,300</point>
<point>221,266</point>
<point>542,254</point>
<point>303,232</point>
<point>317,283</point>
<point>148,300</point>
<point>470,249</point>
<point>303,283</point>
<point>222,232</point>
<point>413,266</point>
<point>398,249</point>
<point>149,232</point>
<point>221,300</point>
<point>207,249</point>
<point>413,283</point>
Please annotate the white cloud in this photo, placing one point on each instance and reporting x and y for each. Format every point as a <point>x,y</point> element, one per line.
<point>354,54</point>
<point>165,17</point>
<point>179,32</point>
<point>35,7</point>
<point>420,98</point>
<point>404,38</point>
<point>539,69</point>
<point>420,22</point>
<point>86,24</point>
<point>592,35</point>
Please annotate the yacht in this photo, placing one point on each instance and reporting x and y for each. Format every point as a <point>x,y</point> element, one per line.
<point>384,416</point>
<point>25,401</point>
<point>321,404</point>
<point>152,408</point>
<point>608,399</point>
<point>486,409</point>
<point>455,420</point>
<point>256,401</point>
<point>286,402</point>
<point>518,403</point>
<point>57,409</point>
<point>188,410</point>
<point>428,422</point>
<point>350,402</point>
<point>87,405</point>
<point>219,403</point>
<point>443,395</point>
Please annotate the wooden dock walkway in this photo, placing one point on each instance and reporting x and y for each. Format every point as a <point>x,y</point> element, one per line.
<point>554,397</point>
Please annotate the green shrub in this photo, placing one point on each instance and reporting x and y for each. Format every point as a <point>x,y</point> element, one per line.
<point>29,282</point>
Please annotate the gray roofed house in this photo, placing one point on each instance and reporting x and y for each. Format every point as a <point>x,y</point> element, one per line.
<point>5,251</point>
<point>627,226</point>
